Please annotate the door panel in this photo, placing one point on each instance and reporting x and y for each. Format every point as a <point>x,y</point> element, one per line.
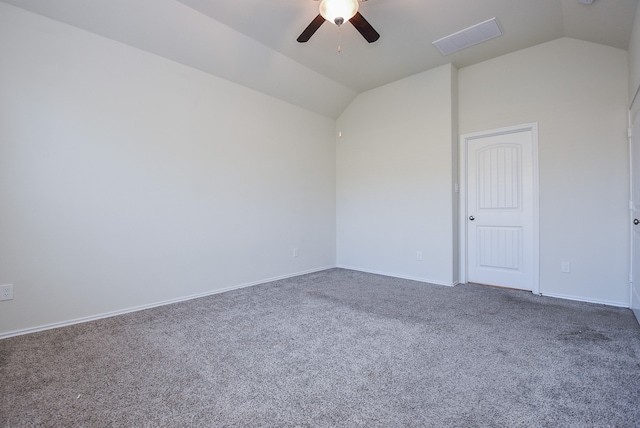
<point>500,247</point>
<point>500,209</point>
<point>498,177</point>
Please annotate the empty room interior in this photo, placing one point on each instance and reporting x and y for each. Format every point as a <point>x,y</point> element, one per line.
<point>257,213</point>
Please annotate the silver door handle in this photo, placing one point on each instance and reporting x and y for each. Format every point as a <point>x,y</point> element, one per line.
<point>473,218</point>
<point>636,221</point>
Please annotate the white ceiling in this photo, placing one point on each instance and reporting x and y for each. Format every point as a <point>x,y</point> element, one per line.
<point>253,42</point>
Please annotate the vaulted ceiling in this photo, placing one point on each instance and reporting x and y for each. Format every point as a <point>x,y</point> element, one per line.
<point>253,42</point>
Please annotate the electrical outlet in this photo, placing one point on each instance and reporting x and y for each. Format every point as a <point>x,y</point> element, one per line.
<point>295,252</point>
<point>565,267</point>
<point>6,292</point>
<point>418,255</point>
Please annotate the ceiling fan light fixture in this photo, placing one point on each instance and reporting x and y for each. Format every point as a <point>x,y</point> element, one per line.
<point>338,11</point>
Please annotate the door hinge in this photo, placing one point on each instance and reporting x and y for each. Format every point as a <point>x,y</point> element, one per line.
<point>629,132</point>
<point>631,206</point>
<point>630,278</point>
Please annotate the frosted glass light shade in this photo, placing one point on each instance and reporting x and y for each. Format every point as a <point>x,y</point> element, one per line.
<point>335,9</point>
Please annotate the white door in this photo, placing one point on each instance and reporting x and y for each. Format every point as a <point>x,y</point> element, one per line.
<point>501,203</point>
<point>635,204</point>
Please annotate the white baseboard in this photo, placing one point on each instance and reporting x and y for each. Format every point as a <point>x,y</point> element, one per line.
<point>395,275</point>
<point>264,281</point>
<point>153,305</point>
<point>585,299</point>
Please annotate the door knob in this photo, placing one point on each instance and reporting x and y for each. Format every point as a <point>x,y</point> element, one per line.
<point>636,221</point>
<point>473,218</point>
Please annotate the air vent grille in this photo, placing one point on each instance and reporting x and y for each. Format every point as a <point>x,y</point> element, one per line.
<point>468,37</point>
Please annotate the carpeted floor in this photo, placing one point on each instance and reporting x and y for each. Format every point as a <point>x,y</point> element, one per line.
<point>333,348</point>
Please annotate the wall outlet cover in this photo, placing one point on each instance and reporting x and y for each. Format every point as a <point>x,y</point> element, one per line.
<point>6,292</point>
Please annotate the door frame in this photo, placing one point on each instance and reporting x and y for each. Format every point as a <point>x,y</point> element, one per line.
<point>632,130</point>
<point>463,149</point>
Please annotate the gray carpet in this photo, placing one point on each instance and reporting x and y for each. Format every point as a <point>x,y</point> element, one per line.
<point>334,348</point>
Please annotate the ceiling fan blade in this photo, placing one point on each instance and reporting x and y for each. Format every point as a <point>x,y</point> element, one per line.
<point>363,26</point>
<point>311,29</point>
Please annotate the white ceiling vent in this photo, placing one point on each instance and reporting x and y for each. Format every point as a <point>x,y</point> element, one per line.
<point>468,37</point>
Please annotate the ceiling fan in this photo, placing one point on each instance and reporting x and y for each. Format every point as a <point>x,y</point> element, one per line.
<point>339,11</point>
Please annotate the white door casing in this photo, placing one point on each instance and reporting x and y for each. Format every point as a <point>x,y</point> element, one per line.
<point>634,276</point>
<point>499,208</point>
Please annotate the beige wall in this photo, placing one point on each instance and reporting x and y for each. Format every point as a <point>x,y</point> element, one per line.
<point>395,179</point>
<point>577,92</point>
<point>127,179</point>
